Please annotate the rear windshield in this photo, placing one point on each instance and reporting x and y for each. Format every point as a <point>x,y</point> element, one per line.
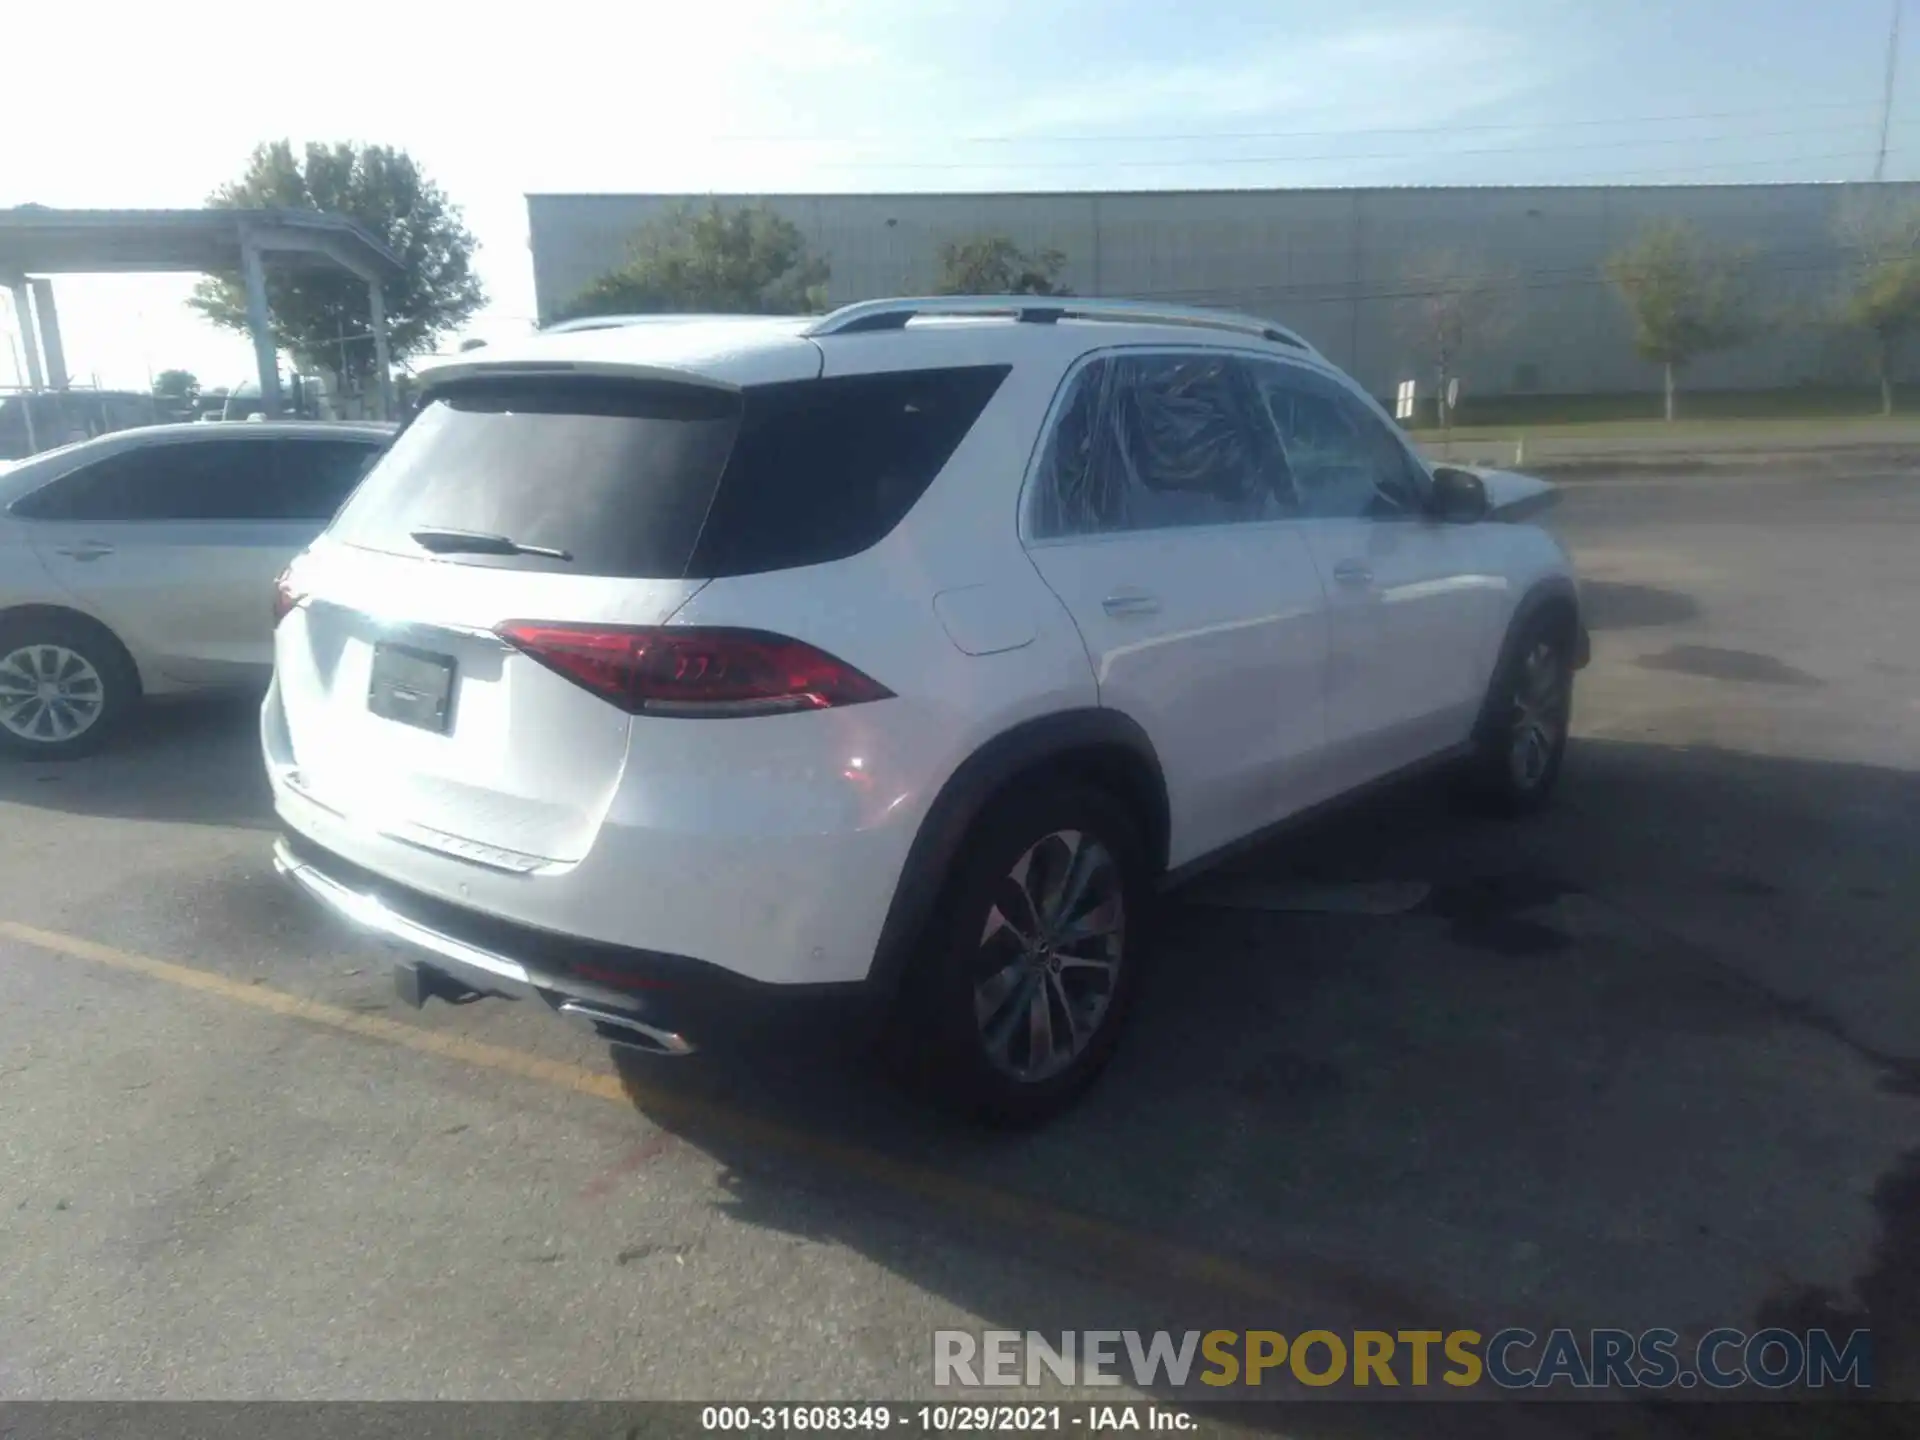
<point>618,476</point>
<point>653,481</point>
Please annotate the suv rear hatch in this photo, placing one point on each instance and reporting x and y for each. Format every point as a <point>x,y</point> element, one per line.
<point>465,652</point>
<point>507,499</point>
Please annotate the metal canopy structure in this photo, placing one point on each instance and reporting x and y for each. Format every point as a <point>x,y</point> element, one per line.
<point>36,241</point>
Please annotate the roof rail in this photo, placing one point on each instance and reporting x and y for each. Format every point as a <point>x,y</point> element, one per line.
<point>592,322</point>
<point>868,315</point>
<point>620,322</point>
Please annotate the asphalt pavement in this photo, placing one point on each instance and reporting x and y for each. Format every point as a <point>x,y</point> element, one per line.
<point>1650,1058</point>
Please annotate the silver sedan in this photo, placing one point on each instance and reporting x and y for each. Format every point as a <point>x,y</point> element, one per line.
<point>143,563</point>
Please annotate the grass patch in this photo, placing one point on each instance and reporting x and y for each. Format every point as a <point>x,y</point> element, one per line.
<point>1497,416</point>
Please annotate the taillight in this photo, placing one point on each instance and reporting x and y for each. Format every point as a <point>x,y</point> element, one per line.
<point>285,597</point>
<point>694,671</point>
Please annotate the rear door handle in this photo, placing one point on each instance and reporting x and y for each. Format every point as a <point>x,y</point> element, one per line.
<point>84,550</point>
<point>1353,572</point>
<point>1131,602</point>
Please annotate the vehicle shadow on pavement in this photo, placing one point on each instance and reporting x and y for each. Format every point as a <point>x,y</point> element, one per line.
<point>1616,605</point>
<point>190,761</point>
<point>1610,1073</point>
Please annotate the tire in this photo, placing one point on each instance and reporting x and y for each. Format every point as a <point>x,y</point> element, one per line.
<point>983,977</point>
<point>1522,738</point>
<point>94,686</point>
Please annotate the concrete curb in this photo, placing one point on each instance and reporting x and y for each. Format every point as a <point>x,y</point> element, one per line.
<point>1599,465</point>
<point>1725,462</point>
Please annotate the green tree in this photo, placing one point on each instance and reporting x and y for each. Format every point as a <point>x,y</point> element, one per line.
<point>1455,307</point>
<point>749,260</point>
<point>181,385</point>
<point>994,265</point>
<point>1881,292</point>
<point>321,316</point>
<point>1688,297</point>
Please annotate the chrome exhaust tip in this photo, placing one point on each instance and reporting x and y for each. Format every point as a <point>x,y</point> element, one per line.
<point>625,1030</point>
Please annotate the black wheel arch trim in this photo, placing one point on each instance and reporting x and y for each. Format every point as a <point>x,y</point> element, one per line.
<point>1090,733</point>
<point>1555,590</point>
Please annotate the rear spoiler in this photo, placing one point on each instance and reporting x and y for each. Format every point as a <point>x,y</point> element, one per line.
<point>460,370</point>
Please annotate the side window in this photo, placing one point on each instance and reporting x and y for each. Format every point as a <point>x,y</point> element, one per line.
<point>217,480</point>
<point>132,485</point>
<point>1148,442</point>
<point>823,469</point>
<point>225,480</point>
<point>1064,499</point>
<point>1345,462</point>
<point>312,479</point>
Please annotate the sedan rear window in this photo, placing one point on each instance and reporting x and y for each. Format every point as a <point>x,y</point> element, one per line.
<point>666,481</point>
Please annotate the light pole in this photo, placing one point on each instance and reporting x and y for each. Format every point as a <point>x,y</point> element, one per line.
<point>1886,95</point>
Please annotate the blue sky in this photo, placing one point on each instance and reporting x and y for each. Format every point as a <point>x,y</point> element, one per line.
<point>805,95</point>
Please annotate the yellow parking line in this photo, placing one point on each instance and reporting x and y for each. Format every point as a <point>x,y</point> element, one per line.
<point>278,1002</point>
<point>1140,1253</point>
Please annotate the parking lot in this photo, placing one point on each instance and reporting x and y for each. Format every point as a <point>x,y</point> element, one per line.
<point>1650,1059</point>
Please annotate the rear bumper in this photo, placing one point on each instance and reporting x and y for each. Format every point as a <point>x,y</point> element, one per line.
<point>771,865</point>
<point>667,1004</point>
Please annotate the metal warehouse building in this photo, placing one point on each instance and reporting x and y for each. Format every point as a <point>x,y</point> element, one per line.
<point>1338,265</point>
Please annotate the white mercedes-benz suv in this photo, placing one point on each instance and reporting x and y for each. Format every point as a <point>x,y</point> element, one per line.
<point>668,672</point>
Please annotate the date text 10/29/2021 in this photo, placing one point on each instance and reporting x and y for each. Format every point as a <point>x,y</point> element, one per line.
<point>948,1419</point>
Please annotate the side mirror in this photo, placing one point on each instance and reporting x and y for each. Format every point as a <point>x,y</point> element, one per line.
<point>1458,497</point>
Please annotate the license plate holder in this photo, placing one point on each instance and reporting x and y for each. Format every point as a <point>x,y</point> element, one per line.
<point>412,687</point>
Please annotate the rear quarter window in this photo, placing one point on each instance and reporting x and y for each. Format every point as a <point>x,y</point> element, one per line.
<point>311,479</point>
<point>824,469</point>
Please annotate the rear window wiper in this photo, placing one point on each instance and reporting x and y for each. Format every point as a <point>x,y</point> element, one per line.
<point>478,542</point>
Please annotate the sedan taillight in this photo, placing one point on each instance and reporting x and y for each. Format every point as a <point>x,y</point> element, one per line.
<point>694,671</point>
